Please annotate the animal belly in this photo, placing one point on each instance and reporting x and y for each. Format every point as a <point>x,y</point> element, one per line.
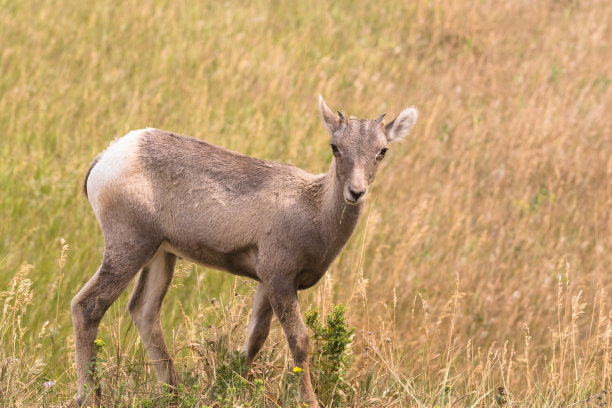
<point>238,262</point>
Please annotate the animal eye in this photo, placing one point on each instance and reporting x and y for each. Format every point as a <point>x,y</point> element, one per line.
<point>335,150</point>
<point>382,154</point>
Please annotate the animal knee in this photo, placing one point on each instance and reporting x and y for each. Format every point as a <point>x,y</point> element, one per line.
<point>135,312</point>
<point>261,328</point>
<point>300,346</point>
<point>78,306</point>
<point>141,315</point>
<point>88,311</point>
<point>74,306</point>
<point>133,308</point>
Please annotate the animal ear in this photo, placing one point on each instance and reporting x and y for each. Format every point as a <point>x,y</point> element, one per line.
<point>401,126</point>
<point>332,122</point>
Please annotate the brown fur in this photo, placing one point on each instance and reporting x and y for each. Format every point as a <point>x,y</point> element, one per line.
<point>275,223</point>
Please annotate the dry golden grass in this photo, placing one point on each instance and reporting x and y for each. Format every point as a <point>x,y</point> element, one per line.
<point>485,252</point>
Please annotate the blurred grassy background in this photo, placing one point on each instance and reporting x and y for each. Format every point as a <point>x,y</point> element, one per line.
<point>499,199</point>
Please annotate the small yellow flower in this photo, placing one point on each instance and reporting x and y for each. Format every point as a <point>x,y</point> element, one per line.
<point>99,343</point>
<point>297,370</point>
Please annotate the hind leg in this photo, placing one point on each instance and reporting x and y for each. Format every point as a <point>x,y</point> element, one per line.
<point>144,307</point>
<point>259,325</point>
<point>121,261</point>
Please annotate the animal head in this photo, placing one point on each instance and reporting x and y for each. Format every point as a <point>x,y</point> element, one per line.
<point>359,145</point>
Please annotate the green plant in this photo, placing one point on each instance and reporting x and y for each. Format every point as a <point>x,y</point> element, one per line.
<point>230,388</point>
<point>330,354</point>
<point>96,368</point>
<point>292,386</point>
<point>229,383</point>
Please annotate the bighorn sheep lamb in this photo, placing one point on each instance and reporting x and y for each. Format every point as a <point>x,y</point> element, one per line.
<point>158,195</point>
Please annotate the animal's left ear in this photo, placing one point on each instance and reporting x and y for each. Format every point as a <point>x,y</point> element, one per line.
<point>401,126</point>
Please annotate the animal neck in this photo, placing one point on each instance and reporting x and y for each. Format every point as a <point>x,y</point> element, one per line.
<point>339,218</point>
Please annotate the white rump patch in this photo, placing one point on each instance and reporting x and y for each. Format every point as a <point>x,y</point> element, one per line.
<point>116,160</point>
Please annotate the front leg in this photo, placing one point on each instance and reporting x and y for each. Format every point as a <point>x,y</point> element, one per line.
<point>282,294</point>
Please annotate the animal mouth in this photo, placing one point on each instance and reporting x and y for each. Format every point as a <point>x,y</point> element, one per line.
<point>350,201</point>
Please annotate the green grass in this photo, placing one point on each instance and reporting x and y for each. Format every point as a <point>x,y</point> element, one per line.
<point>483,257</point>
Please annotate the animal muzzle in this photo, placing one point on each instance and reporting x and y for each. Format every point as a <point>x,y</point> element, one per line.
<point>352,195</point>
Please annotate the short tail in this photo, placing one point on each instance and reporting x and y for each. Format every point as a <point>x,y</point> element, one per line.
<point>95,161</point>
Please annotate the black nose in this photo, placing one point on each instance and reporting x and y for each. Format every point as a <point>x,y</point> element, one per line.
<point>356,194</point>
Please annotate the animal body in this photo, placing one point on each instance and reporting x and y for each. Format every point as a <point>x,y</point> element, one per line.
<point>158,196</point>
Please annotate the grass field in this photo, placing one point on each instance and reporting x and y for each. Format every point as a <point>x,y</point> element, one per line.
<point>481,272</point>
